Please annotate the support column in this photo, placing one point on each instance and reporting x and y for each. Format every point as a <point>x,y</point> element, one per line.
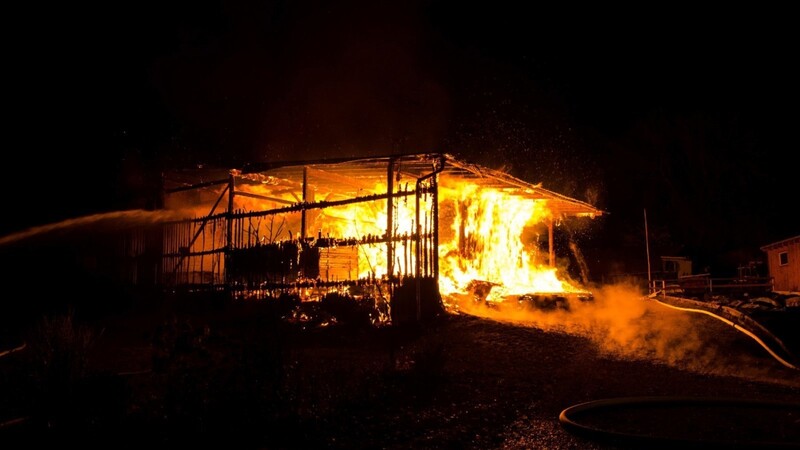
<point>390,219</point>
<point>305,199</point>
<point>231,193</point>
<point>418,252</point>
<point>435,212</point>
<point>550,243</point>
<point>229,230</point>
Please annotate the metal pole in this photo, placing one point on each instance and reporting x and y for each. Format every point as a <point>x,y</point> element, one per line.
<point>229,231</point>
<point>550,243</point>
<point>647,244</point>
<point>435,212</point>
<point>305,199</point>
<point>390,220</point>
<point>437,169</point>
<point>417,255</point>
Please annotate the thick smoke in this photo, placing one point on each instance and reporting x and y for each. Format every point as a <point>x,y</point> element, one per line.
<point>625,324</point>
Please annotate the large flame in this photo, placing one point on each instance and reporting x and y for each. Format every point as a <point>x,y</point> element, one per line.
<point>486,243</point>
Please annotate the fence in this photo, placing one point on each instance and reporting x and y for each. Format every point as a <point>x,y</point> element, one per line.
<point>703,286</point>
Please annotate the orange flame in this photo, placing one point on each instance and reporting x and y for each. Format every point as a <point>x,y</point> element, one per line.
<point>487,243</point>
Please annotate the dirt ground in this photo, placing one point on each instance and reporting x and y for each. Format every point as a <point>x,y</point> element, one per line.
<point>255,375</point>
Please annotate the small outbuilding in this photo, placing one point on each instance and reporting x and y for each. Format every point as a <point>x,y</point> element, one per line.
<point>783,259</point>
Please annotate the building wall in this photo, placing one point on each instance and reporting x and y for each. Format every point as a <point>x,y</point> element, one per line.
<point>787,277</point>
<point>675,267</point>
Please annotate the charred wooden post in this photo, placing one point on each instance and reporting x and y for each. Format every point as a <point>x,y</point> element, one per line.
<point>229,231</point>
<point>435,213</point>
<point>231,195</point>
<point>202,257</point>
<point>305,200</point>
<point>389,219</point>
<point>438,167</point>
<point>426,248</point>
<point>202,228</point>
<point>550,243</point>
<point>417,274</point>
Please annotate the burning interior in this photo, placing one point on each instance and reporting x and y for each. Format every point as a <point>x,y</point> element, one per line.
<point>412,232</point>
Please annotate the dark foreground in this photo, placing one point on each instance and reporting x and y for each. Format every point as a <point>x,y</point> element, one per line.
<point>238,376</point>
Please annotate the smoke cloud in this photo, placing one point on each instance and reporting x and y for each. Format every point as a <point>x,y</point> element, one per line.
<point>624,324</point>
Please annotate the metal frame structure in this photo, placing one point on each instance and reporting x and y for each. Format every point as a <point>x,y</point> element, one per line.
<point>215,248</point>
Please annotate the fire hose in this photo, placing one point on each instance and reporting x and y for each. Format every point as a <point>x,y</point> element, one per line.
<point>570,417</point>
<point>570,421</point>
<point>736,326</point>
<point>13,350</point>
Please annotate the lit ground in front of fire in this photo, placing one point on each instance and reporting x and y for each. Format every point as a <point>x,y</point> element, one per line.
<point>238,373</point>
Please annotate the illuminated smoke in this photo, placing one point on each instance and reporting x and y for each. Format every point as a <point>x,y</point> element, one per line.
<point>623,324</point>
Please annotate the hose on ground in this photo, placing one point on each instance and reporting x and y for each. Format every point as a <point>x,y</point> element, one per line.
<point>735,326</point>
<point>570,421</point>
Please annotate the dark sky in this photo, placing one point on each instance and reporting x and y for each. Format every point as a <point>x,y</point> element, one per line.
<point>689,114</point>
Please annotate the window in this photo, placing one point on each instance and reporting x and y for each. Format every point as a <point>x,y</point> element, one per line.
<point>783,258</point>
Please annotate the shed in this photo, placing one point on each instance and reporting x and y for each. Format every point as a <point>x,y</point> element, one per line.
<point>783,260</point>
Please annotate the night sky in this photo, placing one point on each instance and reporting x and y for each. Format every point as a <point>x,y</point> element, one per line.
<point>689,114</point>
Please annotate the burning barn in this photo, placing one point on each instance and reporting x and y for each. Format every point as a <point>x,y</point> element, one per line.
<point>406,231</point>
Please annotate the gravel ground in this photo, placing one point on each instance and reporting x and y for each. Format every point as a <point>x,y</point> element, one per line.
<point>235,376</point>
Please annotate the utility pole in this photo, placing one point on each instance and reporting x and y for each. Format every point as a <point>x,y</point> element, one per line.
<point>647,245</point>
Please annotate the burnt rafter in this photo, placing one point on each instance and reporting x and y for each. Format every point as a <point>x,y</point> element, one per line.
<point>362,174</point>
<point>333,174</point>
<point>328,204</point>
<point>263,197</point>
<point>561,205</point>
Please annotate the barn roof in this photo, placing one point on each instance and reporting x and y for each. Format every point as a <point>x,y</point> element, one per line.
<point>352,176</point>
